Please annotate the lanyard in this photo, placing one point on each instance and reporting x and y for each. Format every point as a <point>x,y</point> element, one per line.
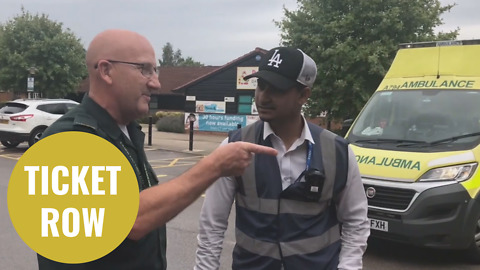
<point>309,155</point>
<point>309,159</point>
<point>136,169</point>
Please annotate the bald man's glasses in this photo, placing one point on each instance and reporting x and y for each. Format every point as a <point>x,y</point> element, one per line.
<point>147,70</point>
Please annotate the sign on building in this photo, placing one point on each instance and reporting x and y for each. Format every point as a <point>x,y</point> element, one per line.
<point>249,84</point>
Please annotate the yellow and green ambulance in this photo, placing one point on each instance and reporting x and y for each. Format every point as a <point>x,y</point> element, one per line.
<point>417,145</point>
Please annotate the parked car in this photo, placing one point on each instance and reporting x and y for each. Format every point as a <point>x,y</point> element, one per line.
<point>24,120</point>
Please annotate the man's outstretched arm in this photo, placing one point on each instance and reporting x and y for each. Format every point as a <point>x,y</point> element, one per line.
<point>161,203</point>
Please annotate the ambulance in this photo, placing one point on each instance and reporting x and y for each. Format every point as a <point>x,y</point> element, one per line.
<point>417,145</point>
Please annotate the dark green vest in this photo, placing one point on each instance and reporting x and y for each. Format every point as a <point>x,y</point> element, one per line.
<point>148,252</point>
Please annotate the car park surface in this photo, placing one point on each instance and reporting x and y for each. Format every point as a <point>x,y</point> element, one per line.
<point>182,230</point>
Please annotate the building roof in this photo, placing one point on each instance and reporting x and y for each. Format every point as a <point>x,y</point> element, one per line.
<point>173,77</point>
<point>181,88</point>
<point>169,77</point>
<point>174,80</point>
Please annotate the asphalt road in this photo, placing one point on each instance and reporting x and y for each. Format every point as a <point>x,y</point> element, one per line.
<point>182,230</point>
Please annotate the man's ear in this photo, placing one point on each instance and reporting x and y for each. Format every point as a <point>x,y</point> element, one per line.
<point>104,69</point>
<point>305,93</point>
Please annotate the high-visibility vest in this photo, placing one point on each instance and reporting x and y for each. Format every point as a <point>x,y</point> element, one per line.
<point>281,229</point>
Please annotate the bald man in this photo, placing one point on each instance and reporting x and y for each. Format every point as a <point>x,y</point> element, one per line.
<point>122,72</point>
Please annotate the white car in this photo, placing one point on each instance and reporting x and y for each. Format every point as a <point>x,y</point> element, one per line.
<point>24,120</point>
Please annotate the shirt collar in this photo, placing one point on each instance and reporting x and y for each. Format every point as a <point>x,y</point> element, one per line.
<point>306,135</point>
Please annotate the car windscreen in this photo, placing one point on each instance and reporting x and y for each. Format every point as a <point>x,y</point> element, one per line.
<point>13,107</point>
<point>426,119</point>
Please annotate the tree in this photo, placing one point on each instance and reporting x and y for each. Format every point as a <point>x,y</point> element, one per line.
<point>354,43</point>
<point>34,41</point>
<point>175,59</point>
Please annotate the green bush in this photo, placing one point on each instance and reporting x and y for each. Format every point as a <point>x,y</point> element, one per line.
<point>145,120</point>
<point>158,115</point>
<point>171,123</point>
<point>161,114</point>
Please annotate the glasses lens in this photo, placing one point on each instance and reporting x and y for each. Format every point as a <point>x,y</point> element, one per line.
<point>148,70</point>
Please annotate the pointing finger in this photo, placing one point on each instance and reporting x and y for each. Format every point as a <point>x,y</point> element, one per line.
<point>260,149</point>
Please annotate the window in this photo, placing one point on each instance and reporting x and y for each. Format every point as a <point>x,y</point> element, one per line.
<point>70,106</point>
<point>419,115</point>
<point>244,104</point>
<point>12,108</point>
<point>58,108</point>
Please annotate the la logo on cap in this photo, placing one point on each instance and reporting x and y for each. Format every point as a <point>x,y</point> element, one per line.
<point>275,59</point>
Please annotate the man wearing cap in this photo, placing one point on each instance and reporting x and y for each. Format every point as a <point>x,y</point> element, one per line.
<point>303,209</point>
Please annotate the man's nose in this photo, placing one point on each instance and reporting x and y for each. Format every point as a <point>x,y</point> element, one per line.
<point>154,83</point>
<point>263,98</point>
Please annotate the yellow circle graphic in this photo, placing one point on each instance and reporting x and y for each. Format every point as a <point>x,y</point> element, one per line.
<point>73,197</point>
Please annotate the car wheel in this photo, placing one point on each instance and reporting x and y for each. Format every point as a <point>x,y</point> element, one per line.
<point>35,135</point>
<point>473,251</point>
<point>10,144</point>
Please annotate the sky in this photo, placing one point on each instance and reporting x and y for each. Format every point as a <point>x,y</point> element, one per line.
<point>213,32</point>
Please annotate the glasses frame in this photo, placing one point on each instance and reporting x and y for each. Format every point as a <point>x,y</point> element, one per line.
<point>142,67</point>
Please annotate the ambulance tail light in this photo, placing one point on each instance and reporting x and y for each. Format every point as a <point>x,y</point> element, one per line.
<point>457,173</point>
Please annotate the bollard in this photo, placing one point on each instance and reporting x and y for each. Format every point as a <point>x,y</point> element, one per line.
<point>192,118</point>
<point>190,145</point>
<point>150,120</point>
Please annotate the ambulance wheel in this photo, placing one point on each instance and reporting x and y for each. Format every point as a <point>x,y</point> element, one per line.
<point>473,252</point>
